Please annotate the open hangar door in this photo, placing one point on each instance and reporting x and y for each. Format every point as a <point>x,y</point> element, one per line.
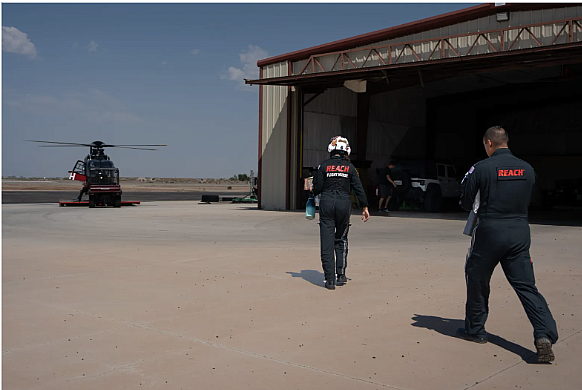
<point>375,124</point>
<point>443,118</point>
<point>541,109</point>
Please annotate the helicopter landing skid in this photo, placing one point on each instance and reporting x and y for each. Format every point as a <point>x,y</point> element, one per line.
<point>67,203</point>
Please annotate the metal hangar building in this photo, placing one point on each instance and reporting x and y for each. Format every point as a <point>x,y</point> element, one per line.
<point>428,90</point>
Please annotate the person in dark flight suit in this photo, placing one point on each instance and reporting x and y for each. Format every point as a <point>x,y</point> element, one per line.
<point>502,235</point>
<point>334,180</point>
<point>84,190</point>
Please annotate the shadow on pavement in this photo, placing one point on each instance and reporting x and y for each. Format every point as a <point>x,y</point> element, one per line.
<point>310,275</point>
<point>448,327</point>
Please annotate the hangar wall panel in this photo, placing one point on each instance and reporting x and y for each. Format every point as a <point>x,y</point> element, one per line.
<point>331,113</point>
<point>397,125</point>
<point>461,45</point>
<point>274,140</point>
<point>295,140</point>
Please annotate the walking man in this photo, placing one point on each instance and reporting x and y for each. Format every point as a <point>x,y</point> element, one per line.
<point>386,185</point>
<point>502,235</point>
<point>334,180</point>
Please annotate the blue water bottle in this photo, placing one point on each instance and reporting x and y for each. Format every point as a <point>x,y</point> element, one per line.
<point>310,207</point>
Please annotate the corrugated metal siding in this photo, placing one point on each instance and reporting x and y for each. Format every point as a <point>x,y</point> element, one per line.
<point>274,140</point>
<point>336,101</point>
<point>395,116</point>
<point>329,114</point>
<point>295,139</point>
<point>461,45</point>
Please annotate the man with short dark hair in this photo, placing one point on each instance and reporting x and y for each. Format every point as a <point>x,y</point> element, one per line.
<point>386,185</point>
<point>502,235</point>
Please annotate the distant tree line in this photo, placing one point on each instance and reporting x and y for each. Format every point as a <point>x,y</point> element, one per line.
<point>240,177</point>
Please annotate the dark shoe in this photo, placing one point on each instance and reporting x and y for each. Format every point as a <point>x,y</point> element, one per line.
<point>462,333</point>
<point>341,279</point>
<point>545,353</point>
<point>329,285</point>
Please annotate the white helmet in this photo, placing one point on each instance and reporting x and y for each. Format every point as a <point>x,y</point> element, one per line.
<point>340,144</point>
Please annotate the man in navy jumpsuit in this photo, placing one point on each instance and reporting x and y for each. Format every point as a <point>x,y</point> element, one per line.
<point>334,180</point>
<point>502,235</point>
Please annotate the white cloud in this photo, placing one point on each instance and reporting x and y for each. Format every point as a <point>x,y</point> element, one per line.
<point>249,69</point>
<point>164,62</point>
<point>93,46</point>
<point>15,41</point>
<point>195,51</point>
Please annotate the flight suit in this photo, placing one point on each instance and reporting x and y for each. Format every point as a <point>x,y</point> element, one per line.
<point>502,235</point>
<point>334,180</point>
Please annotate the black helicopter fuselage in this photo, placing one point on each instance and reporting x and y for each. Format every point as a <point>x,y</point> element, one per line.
<point>101,179</point>
<point>100,176</point>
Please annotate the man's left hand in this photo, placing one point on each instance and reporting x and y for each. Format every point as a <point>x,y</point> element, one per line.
<point>365,214</point>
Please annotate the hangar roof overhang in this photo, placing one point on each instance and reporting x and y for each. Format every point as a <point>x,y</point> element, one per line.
<point>398,63</point>
<point>414,27</point>
<point>400,75</point>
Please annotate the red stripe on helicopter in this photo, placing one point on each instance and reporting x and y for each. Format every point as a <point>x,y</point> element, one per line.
<point>77,176</point>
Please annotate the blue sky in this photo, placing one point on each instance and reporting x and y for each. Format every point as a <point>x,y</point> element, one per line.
<point>156,73</point>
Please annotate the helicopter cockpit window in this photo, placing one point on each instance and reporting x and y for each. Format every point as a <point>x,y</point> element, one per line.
<point>103,172</point>
<point>96,164</point>
<point>79,168</point>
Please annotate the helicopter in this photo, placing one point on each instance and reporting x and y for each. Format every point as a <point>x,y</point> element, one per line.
<point>99,175</point>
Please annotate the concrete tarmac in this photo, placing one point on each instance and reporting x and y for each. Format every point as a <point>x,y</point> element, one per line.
<point>12,197</point>
<point>181,295</point>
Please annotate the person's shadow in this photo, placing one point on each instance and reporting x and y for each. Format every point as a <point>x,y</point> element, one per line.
<point>448,327</point>
<point>310,275</point>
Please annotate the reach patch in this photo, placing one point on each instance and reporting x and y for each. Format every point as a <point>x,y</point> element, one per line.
<point>507,173</point>
<point>338,168</point>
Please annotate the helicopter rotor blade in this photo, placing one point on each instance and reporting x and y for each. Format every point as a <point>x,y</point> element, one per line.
<point>59,143</point>
<point>129,147</point>
<point>92,145</point>
<point>120,146</point>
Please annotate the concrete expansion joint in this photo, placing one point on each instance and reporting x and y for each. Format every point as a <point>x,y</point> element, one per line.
<point>216,345</point>
<point>518,363</point>
<point>259,355</point>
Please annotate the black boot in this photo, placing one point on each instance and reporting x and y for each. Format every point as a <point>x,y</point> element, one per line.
<point>544,348</point>
<point>462,333</point>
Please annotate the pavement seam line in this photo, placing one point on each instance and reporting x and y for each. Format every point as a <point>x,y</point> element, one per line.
<point>513,365</point>
<point>217,345</point>
<point>255,354</point>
